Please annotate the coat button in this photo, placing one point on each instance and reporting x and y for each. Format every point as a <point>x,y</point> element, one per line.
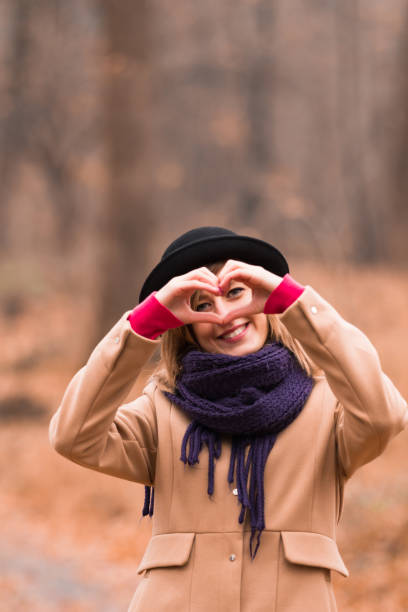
<point>232,557</point>
<point>235,491</point>
<point>313,310</point>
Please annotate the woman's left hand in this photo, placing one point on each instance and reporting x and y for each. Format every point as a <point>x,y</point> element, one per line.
<point>260,281</point>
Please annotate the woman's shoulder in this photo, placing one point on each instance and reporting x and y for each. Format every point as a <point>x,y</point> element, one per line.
<point>156,385</point>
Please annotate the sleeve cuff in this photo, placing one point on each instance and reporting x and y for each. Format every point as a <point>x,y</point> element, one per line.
<point>151,319</point>
<point>283,296</point>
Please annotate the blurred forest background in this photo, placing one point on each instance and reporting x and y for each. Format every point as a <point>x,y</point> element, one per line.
<point>123,124</point>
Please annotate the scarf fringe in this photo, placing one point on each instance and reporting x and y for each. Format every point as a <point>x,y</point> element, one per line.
<point>194,438</point>
<point>148,507</point>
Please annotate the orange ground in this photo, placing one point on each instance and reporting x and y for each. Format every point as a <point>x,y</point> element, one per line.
<point>71,538</point>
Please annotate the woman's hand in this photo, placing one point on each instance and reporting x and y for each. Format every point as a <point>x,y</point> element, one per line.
<point>176,295</point>
<point>260,281</point>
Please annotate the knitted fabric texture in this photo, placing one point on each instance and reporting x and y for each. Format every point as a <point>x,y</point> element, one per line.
<point>250,398</point>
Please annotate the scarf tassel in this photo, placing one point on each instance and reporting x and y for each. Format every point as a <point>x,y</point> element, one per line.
<point>148,507</point>
<point>194,438</point>
<point>249,474</point>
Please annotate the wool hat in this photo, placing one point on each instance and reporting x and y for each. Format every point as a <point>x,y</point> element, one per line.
<point>206,245</point>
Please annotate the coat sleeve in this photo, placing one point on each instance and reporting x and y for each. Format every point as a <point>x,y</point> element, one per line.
<point>93,427</point>
<point>370,410</point>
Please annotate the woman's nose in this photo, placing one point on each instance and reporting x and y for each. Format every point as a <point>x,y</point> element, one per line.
<point>222,306</point>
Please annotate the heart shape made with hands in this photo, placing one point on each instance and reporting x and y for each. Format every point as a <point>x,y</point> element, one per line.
<point>176,295</point>
<point>260,281</point>
<point>252,303</point>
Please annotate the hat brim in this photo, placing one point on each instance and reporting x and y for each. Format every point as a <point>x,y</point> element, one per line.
<point>210,250</point>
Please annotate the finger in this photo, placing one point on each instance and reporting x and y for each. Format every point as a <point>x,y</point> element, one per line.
<point>203,278</point>
<point>243,311</point>
<point>245,276</point>
<point>228,266</point>
<point>205,317</point>
<point>196,285</point>
<point>203,273</point>
<point>231,266</point>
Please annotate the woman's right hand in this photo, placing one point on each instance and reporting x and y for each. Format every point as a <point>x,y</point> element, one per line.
<point>176,295</point>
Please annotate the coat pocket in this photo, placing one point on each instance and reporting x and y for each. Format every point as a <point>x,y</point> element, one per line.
<point>167,550</point>
<point>313,550</point>
<point>167,579</point>
<point>305,562</point>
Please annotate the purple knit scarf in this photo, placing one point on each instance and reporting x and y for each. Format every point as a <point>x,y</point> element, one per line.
<point>250,398</point>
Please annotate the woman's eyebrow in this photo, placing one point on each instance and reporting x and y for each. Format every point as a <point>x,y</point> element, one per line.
<point>203,294</point>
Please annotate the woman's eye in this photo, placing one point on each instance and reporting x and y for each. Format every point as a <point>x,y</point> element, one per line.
<point>235,292</point>
<point>203,306</point>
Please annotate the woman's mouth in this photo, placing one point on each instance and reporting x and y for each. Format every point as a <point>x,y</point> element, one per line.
<point>235,334</point>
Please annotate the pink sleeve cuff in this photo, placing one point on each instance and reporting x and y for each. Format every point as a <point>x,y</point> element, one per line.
<point>151,319</point>
<point>283,296</point>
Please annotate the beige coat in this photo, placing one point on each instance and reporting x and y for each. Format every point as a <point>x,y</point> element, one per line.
<point>198,559</point>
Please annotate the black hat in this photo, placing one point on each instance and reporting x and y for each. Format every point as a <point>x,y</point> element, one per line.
<point>206,245</point>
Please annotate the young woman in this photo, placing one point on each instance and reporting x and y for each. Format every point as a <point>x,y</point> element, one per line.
<point>263,405</point>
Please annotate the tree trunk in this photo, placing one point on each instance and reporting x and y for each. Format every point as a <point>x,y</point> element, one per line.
<point>258,92</point>
<point>13,137</point>
<point>398,156</point>
<point>127,226</point>
<point>366,241</point>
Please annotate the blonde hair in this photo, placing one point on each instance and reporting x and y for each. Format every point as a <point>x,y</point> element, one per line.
<point>175,343</point>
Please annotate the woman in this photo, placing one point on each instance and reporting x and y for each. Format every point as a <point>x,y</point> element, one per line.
<point>264,404</point>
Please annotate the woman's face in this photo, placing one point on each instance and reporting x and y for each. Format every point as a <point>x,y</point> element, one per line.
<point>241,336</point>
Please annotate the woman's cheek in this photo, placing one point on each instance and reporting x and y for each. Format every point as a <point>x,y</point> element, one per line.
<point>202,332</point>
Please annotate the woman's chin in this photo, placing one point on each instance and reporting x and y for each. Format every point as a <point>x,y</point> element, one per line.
<point>240,349</point>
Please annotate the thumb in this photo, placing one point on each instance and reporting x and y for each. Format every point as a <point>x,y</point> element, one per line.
<point>238,312</point>
<point>206,317</point>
